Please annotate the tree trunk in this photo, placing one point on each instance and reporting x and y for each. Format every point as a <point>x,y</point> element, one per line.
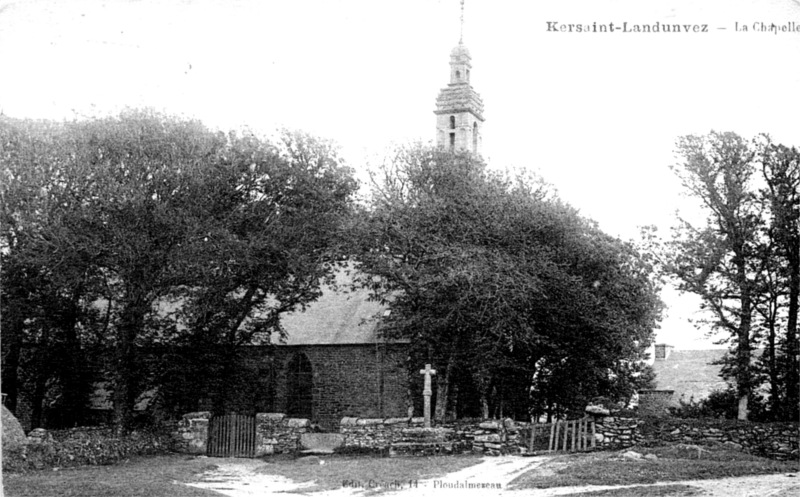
<point>484,406</point>
<point>131,323</point>
<point>74,380</point>
<point>39,390</point>
<point>792,349</point>
<point>774,379</point>
<point>743,347</point>
<point>12,343</point>
<point>443,390</point>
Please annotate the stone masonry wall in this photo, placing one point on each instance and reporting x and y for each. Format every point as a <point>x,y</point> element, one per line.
<point>773,440</point>
<point>491,437</point>
<point>613,432</point>
<point>192,433</point>
<point>349,380</point>
<point>277,434</point>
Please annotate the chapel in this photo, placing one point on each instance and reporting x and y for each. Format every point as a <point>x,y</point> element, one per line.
<point>336,363</point>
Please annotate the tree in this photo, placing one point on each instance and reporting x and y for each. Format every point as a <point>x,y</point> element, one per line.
<point>493,278</point>
<point>265,257</point>
<point>741,261</point>
<point>43,310</point>
<point>719,262</point>
<point>780,166</point>
<point>162,232</point>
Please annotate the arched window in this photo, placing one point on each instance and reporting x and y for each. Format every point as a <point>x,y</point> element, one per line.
<point>452,122</point>
<point>458,74</point>
<point>475,137</point>
<point>299,383</point>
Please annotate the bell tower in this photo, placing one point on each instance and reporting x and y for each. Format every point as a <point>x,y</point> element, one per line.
<point>459,108</point>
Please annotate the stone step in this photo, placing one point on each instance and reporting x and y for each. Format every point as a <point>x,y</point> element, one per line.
<point>321,443</point>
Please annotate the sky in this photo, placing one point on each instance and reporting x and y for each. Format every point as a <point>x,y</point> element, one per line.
<point>596,114</point>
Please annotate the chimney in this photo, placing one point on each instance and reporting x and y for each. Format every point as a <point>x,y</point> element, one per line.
<point>662,351</point>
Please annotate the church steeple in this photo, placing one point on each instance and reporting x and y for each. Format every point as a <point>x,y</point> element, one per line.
<point>459,108</point>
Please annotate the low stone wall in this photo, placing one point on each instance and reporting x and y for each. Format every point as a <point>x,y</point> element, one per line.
<point>773,440</point>
<point>83,446</point>
<point>377,433</point>
<point>192,433</point>
<point>613,432</point>
<point>490,437</point>
<point>275,433</point>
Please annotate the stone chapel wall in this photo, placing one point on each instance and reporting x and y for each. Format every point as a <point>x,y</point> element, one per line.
<point>350,380</point>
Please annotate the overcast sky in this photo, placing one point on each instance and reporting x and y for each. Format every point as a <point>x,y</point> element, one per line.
<point>597,114</point>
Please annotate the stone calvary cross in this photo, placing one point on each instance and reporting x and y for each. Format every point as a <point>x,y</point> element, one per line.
<point>427,391</point>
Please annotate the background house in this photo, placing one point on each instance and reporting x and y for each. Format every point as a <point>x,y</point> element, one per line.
<point>692,374</point>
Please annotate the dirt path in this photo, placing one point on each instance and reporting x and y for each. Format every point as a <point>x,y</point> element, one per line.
<point>780,485</point>
<point>237,478</point>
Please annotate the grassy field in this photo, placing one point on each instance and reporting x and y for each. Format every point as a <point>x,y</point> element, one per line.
<point>674,463</point>
<point>141,477</point>
<point>361,472</point>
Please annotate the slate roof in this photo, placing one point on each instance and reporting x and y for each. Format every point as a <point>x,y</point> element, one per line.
<point>339,317</point>
<point>459,97</point>
<point>690,373</point>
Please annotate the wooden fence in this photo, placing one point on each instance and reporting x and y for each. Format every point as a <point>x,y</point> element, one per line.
<point>232,435</point>
<point>565,436</point>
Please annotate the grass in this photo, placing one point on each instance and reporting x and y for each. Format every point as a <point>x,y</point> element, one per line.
<point>674,463</point>
<point>369,473</point>
<point>638,491</point>
<point>141,477</point>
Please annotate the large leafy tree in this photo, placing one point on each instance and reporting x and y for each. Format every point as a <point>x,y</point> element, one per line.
<point>497,283</point>
<point>257,261</point>
<point>159,231</point>
<point>742,261</point>
<point>780,167</point>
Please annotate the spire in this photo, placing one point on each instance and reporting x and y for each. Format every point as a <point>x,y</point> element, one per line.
<point>459,108</point>
<point>461,37</point>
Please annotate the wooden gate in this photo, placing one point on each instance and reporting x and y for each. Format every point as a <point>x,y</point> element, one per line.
<point>565,436</point>
<point>232,435</point>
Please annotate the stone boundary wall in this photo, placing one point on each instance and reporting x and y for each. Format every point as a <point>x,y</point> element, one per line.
<point>774,440</point>
<point>192,433</point>
<point>612,432</point>
<point>275,433</point>
<point>492,437</point>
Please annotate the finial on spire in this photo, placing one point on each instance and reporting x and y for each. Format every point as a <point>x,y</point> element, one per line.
<point>461,37</point>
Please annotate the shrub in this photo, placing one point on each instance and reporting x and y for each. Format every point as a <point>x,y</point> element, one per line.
<point>86,446</point>
<point>721,404</point>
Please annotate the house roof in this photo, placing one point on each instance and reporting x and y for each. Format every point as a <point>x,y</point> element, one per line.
<point>340,316</point>
<point>690,373</point>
